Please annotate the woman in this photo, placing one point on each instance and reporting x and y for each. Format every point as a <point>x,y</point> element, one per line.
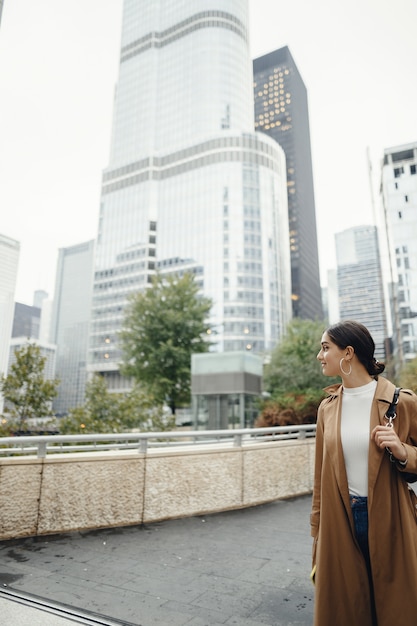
<point>363,520</point>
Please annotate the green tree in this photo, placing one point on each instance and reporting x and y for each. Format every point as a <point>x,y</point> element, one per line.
<point>408,375</point>
<point>293,378</point>
<point>25,390</point>
<point>163,327</point>
<point>105,412</point>
<point>293,362</point>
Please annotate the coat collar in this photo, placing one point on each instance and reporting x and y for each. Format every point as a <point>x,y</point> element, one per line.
<point>383,393</point>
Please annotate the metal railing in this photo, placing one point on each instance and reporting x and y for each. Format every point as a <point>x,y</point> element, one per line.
<point>52,444</point>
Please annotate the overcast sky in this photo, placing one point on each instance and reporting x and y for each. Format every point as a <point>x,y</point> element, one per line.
<point>58,69</point>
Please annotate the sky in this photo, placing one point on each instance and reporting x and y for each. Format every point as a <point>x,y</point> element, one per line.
<point>58,70</point>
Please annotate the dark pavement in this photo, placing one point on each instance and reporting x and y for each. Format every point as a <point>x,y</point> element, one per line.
<point>245,568</point>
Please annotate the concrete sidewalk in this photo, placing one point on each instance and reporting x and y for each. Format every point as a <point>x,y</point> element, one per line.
<point>245,568</point>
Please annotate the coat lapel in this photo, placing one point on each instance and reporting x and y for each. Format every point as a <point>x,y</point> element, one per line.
<point>333,428</point>
<point>383,396</point>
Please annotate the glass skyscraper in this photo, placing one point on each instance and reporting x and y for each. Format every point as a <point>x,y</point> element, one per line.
<point>70,323</point>
<point>189,183</point>
<point>281,111</point>
<point>359,282</point>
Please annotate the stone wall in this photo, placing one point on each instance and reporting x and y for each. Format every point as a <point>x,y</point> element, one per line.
<point>80,491</point>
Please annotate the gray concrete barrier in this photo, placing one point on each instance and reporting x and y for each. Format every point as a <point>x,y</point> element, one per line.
<point>80,491</point>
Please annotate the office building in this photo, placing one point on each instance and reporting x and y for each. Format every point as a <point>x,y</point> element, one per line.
<point>48,351</point>
<point>188,179</point>
<point>281,112</point>
<point>70,319</point>
<point>399,203</point>
<point>26,321</point>
<point>9,260</point>
<point>359,282</point>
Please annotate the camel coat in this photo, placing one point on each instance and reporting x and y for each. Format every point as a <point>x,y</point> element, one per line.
<point>342,596</point>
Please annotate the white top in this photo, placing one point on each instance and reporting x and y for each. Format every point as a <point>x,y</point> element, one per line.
<point>355,435</point>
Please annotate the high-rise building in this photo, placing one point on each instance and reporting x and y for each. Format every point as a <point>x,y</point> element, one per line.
<point>359,282</point>
<point>71,310</point>
<point>26,321</point>
<point>399,203</point>
<point>281,111</point>
<point>188,178</point>
<point>9,260</point>
<point>39,297</point>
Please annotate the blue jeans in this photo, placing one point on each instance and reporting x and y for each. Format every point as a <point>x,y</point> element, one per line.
<point>359,506</point>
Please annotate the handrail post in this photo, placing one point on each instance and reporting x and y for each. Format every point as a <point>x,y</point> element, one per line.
<point>143,446</point>
<point>237,441</point>
<point>41,449</point>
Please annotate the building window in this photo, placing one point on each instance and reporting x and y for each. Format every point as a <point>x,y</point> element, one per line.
<point>398,171</point>
<point>406,198</point>
<point>413,169</point>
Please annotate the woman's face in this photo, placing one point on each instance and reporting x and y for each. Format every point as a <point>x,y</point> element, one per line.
<point>329,356</point>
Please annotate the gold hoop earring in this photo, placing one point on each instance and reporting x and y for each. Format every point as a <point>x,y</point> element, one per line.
<point>343,371</point>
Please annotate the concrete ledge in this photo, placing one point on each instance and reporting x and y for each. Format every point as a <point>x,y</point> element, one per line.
<point>67,492</point>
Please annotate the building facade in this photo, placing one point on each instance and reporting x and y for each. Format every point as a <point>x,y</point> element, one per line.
<point>281,112</point>
<point>359,282</point>
<point>70,320</point>
<point>9,261</point>
<point>189,180</point>
<point>26,321</point>
<point>399,203</point>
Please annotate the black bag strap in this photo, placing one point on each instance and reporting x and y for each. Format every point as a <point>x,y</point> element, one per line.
<point>390,415</point>
<point>391,412</point>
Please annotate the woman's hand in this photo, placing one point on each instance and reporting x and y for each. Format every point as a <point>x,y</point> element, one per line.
<point>386,437</point>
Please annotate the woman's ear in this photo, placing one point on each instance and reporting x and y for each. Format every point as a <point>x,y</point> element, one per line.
<point>349,352</point>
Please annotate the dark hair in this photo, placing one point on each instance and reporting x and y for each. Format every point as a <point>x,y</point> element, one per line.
<point>349,333</point>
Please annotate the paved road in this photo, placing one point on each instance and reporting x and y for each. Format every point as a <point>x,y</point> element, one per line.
<point>244,568</point>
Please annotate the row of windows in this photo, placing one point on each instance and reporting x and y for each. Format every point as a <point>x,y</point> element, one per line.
<point>212,159</point>
<point>155,40</point>
<point>248,296</point>
<point>108,327</point>
<point>243,311</point>
<point>252,266</point>
<point>251,142</point>
<point>124,282</point>
<point>255,282</point>
<point>240,328</point>
<point>203,15</point>
<point>400,170</point>
<point>126,269</point>
<point>236,344</point>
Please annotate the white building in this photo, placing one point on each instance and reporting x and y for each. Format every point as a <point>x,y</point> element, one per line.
<point>9,260</point>
<point>189,179</point>
<point>399,201</point>
<point>47,351</point>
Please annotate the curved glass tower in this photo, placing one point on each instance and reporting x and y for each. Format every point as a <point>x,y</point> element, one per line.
<point>189,183</point>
